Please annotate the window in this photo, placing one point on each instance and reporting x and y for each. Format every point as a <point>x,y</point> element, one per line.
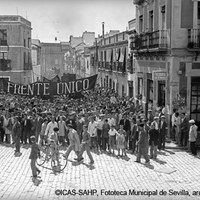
<point>141,24</point>
<point>4,62</point>
<point>29,39</point>
<point>105,56</point>
<point>24,42</point>
<point>123,90</point>
<point>3,37</point>
<point>4,55</point>
<point>198,10</point>
<point>24,60</point>
<point>163,18</point>
<point>151,21</point>
<point>140,86</point>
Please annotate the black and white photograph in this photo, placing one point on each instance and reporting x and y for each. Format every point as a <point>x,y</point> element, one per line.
<point>99,99</point>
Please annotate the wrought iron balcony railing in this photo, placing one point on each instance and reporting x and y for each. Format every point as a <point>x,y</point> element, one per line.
<point>193,39</point>
<point>3,42</point>
<point>5,65</point>
<point>156,40</point>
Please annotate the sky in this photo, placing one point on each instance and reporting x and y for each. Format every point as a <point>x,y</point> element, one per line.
<point>62,18</point>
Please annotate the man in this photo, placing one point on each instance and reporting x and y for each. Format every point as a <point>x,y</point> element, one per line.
<point>156,125</point>
<point>74,142</point>
<point>162,133</point>
<point>142,144</point>
<point>17,135</point>
<point>184,128</point>
<point>127,127</point>
<point>105,135</point>
<point>50,126</point>
<point>150,116</point>
<point>92,130</point>
<point>85,146</point>
<point>2,131</point>
<point>99,131</point>
<point>79,126</point>
<point>134,134</point>
<point>193,137</point>
<point>173,121</point>
<point>26,129</point>
<point>38,125</point>
<point>72,120</point>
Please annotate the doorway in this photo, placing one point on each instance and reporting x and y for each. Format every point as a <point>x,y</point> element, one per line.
<point>161,93</point>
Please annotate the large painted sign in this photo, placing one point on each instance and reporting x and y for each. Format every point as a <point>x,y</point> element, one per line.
<point>51,88</point>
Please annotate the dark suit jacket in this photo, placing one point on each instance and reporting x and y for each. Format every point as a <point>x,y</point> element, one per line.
<point>163,129</point>
<point>134,132</point>
<point>38,125</point>
<point>27,127</point>
<point>143,139</point>
<point>153,133</point>
<point>184,126</point>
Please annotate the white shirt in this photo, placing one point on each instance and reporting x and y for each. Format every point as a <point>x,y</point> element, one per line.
<point>100,124</point>
<point>173,119</point>
<point>50,127</point>
<point>111,121</point>
<point>193,133</point>
<point>112,132</point>
<point>92,129</point>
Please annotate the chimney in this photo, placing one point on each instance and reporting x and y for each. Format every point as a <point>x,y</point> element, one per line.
<point>102,29</point>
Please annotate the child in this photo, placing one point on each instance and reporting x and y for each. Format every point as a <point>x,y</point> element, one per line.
<point>112,135</point>
<point>153,141</point>
<point>33,156</point>
<point>54,148</point>
<point>121,141</point>
<point>17,135</point>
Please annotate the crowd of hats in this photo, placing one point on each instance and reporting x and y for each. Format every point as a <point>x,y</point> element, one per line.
<point>94,101</point>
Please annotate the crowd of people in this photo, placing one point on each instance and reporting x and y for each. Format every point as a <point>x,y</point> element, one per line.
<point>101,121</point>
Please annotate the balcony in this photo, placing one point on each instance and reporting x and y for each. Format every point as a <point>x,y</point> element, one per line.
<point>151,41</point>
<point>130,66</point>
<point>3,42</point>
<point>194,39</point>
<point>5,65</point>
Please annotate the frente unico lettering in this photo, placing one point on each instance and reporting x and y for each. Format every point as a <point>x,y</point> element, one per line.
<point>45,89</point>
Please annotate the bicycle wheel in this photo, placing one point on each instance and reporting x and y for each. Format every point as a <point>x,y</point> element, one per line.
<point>58,167</point>
<point>41,160</point>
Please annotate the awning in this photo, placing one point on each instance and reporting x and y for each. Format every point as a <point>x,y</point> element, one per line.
<point>117,54</point>
<point>114,55</point>
<point>109,55</point>
<point>122,55</point>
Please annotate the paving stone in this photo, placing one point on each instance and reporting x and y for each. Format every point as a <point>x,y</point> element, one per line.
<point>108,173</point>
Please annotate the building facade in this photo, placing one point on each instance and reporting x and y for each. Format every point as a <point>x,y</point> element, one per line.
<point>55,58</point>
<point>81,53</point>
<point>166,49</point>
<point>113,54</point>
<point>15,49</point>
<point>131,90</point>
<point>36,59</point>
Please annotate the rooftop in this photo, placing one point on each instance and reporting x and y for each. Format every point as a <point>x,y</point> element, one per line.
<point>14,18</point>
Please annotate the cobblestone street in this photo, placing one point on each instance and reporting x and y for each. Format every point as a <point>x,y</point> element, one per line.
<point>175,169</point>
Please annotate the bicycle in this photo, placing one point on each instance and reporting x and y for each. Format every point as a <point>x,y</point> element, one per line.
<point>58,161</point>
